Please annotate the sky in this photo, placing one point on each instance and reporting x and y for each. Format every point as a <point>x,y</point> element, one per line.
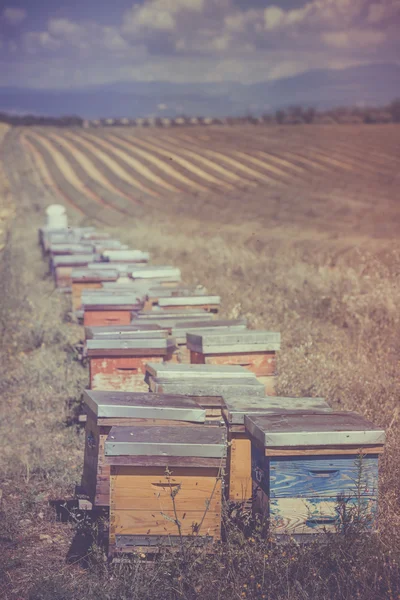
<point>76,43</point>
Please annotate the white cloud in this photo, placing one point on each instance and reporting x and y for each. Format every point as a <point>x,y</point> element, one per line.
<point>354,38</point>
<point>14,16</point>
<point>159,15</point>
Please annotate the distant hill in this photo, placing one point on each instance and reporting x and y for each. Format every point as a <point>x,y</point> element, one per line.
<point>373,85</point>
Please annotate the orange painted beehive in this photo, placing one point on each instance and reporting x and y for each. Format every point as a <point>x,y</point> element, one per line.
<point>89,279</point>
<point>109,309</point>
<point>254,350</point>
<point>165,486</point>
<point>120,364</point>
<point>106,409</point>
<point>62,266</point>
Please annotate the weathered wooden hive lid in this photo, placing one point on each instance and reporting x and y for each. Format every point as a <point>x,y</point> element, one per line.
<point>92,276</point>
<point>73,260</point>
<point>57,249</point>
<point>180,332</point>
<point>176,290</point>
<point>209,386</point>
<point>173,371</point>
<point>207,442</point>
<point>172,318</point>
<point>111,302</point>
<point>125,255</point>
<point>234,341</point>
<point>111,404</point>
<point>234,324</point>
<point>162,272</point>
<point>124,331</point>
<point>189,301</point>
<point>130,347</point>
<point>319,429</point>
<point>239,405</point>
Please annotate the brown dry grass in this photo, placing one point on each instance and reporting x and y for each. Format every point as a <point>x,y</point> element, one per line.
<point>313,264</point>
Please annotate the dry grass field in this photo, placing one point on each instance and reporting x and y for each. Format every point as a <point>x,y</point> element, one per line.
<point>297,228</point>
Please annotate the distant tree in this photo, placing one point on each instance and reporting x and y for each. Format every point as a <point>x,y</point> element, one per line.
<point>394,110</point>
<point>280,116</point>
<point>309,115</point>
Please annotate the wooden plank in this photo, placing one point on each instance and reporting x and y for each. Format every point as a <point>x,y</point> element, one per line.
<point>163,462</point>
<point>323,450</point>
<point>77,288</point>
<point>93,318</point>
<point>239,475</point>
<point>130,522</point>
<point>322,477</point>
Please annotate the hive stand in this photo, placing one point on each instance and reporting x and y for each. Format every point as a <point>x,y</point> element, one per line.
<point>88,279</point>
<point>106,409</point>
<point>161,477</point>
<point>109,309</point>
<point>239,481</point>
<point>308,472</point>
<point>120,364</point>
<point>255,350</point>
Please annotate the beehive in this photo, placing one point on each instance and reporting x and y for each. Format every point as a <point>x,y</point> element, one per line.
<point>123,255</point>
<point>62,266</point>
<point>255,350</point>
<point>109,309</point>
<point>106,409</point>
<point>207,382</point>
<point>239,488</point>
<point>150,508</point>
<point>207,303</point>
<point>124,332</point>
<point>311,470</point>
<point>157,290</point>
<point>88,279</point>
<point>166,275</point>
<point>120,364</point>
<point>48,235</point>
<point>180,330</point>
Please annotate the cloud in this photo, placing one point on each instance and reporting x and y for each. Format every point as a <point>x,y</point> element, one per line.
<point>14,16</point>
<point>353,38</point>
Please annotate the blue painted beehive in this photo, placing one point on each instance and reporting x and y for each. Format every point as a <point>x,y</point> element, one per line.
<point>314,471</point>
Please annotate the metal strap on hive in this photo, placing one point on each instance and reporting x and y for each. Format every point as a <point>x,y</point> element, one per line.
<point>322,429</point>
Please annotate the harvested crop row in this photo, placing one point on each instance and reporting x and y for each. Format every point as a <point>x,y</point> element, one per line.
<point>107,196</point>
<point>125,182</point>
<point>139,170</point>
<point>77,196</point>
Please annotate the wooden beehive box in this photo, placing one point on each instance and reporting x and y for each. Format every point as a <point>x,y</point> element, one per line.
<point>120,364</point>
<point>307,469</point>
<point>106,409</point>
<point>180,330</point>
<point>62,266</point>
<point>255,350</point>
<point>146,503</point>
<point>123,255</point>
<point>89,279</point>
<point>165,275</point>
<point>207,303</point>
<point>239,488</point>
<point>109,309</point>
<point>48,235</point>
<point>205,381</point>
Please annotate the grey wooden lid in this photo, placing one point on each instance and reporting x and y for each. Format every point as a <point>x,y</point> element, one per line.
<point>111,302</point>
<point>130,347</point>
<point>216,325</point>
<point>73,260</point>
<point>189,301</point>
<point>125,255</point>
<point>70,248</point>
<point>120,267</point>
<point>172,371</point>
<point>239,405</point>
<point>125,332</point>
<point>233,341</point>
<point>155,272</point>
<point>320,429</point>
<point>209,387</point>
<point>208,442</point>
<point>112,404</point>
<point>233,324</point>
<point>91,275</point>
